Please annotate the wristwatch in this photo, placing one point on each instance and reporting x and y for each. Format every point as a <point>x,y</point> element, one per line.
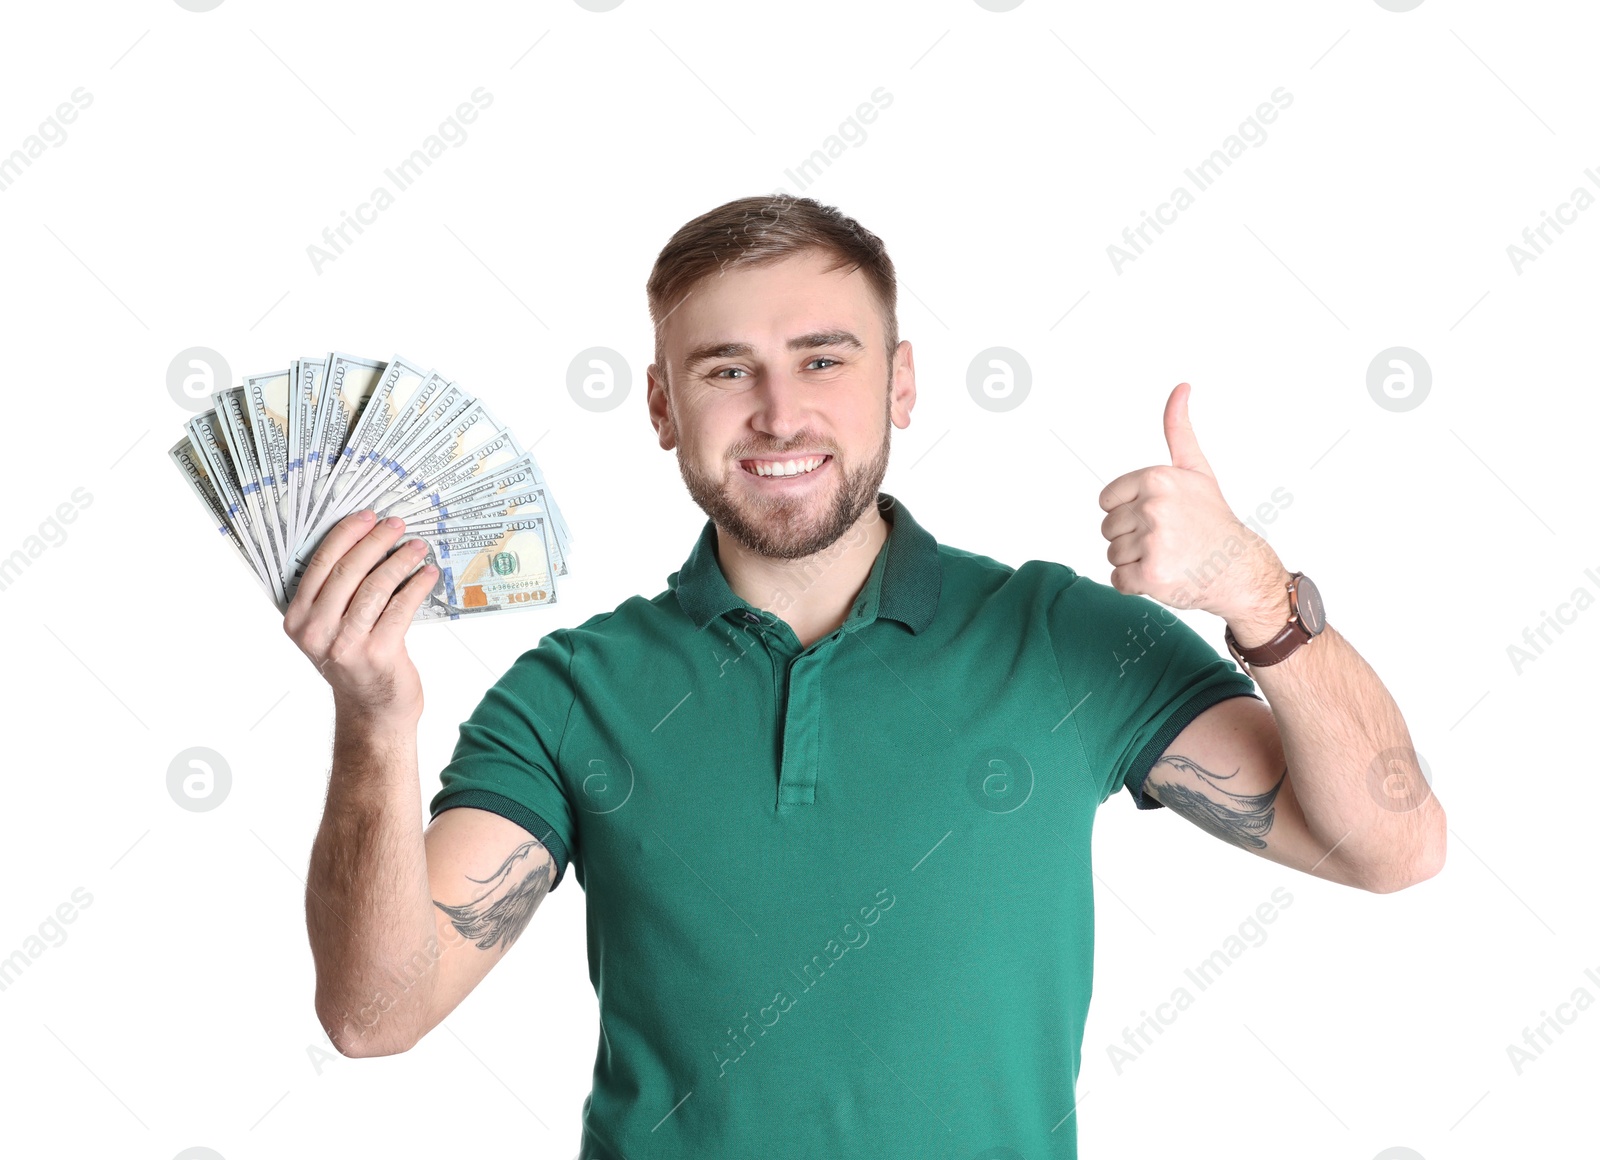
<point>1306,619</point>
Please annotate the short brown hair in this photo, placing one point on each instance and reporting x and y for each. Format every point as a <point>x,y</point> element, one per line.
<point>756,231</point>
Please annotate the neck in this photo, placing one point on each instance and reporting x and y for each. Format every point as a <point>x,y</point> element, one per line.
<point>812,594</point>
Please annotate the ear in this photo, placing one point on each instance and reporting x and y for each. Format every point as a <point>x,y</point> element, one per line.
<point>659,404</point>
<point>902,385</point>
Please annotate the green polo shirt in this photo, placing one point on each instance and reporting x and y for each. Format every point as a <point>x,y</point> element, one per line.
<point>839,899</point>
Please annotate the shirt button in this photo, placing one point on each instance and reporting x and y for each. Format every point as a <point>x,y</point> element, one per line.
<point>751,616</point>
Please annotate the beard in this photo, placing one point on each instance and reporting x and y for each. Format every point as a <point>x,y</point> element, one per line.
<point>789,527</point>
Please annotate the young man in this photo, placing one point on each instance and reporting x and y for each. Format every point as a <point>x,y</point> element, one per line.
<point>830,794</point>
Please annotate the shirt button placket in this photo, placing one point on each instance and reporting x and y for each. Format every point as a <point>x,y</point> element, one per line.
<point>802,729</point>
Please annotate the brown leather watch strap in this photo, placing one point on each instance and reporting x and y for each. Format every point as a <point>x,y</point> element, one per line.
<point>1279,648</point>
<point>1290,637</point>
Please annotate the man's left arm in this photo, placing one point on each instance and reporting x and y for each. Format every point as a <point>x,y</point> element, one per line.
<point>1326,779</point>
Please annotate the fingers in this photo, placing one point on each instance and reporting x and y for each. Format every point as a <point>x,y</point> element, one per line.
<point>1124,550</point>
<point>403,605</point>
<point>347,572</point>
<point>340,538</point>
<point>1128,579</point>
<point>1122,520</point>
<point>1121,490</point>
<point>372,595</point>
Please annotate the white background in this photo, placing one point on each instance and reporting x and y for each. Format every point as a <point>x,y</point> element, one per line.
<point>1018,145</point>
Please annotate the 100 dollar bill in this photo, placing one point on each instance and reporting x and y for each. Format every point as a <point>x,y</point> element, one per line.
<point>192,464</point>
<point>515,499</point>
<point>486,567</point>
<point>346,387</point>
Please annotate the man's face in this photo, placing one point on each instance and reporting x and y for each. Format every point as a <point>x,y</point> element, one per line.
<point>781,368</point>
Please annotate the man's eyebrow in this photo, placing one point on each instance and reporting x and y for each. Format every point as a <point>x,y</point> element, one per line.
<point>714,350</point>
<point>819,338</point>
<point>812,341</point>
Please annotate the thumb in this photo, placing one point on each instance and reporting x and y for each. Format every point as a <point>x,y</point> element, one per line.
<point>1181,441</point>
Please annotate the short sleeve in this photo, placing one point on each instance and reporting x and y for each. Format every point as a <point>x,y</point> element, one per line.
<point>1137,675</point>
<point>505,759</point>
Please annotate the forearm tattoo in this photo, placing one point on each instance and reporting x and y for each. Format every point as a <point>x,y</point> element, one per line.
<point>501,912</point>
<point>1242,819</point>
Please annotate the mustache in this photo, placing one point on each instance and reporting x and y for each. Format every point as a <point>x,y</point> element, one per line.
<point>780,451</point>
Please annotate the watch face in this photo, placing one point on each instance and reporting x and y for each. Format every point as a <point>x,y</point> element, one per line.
<point>1308,603</point>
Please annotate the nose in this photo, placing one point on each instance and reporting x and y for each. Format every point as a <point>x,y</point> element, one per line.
<point>781,402</point>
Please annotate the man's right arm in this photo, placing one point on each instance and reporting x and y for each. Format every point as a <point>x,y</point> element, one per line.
<point>433,912</point>
<point>402,924</point>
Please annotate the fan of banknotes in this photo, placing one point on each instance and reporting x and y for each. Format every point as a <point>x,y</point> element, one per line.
<point>285,456</point>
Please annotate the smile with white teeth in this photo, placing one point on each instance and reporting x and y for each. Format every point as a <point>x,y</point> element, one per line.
<point>784,466</point>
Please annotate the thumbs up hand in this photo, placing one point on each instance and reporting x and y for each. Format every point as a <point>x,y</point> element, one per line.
<point>1174,538</point>
<point>1181,442</point>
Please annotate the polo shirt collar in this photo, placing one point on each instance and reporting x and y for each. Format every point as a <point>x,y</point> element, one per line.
<point>903,585</point>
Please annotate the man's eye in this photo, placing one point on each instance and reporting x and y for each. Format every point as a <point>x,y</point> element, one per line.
<point>826,359</point>
<point>728,370</point>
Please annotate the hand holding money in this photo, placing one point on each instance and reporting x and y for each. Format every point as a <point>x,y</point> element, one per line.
<point>283,459</point>
<point>350,613</point>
